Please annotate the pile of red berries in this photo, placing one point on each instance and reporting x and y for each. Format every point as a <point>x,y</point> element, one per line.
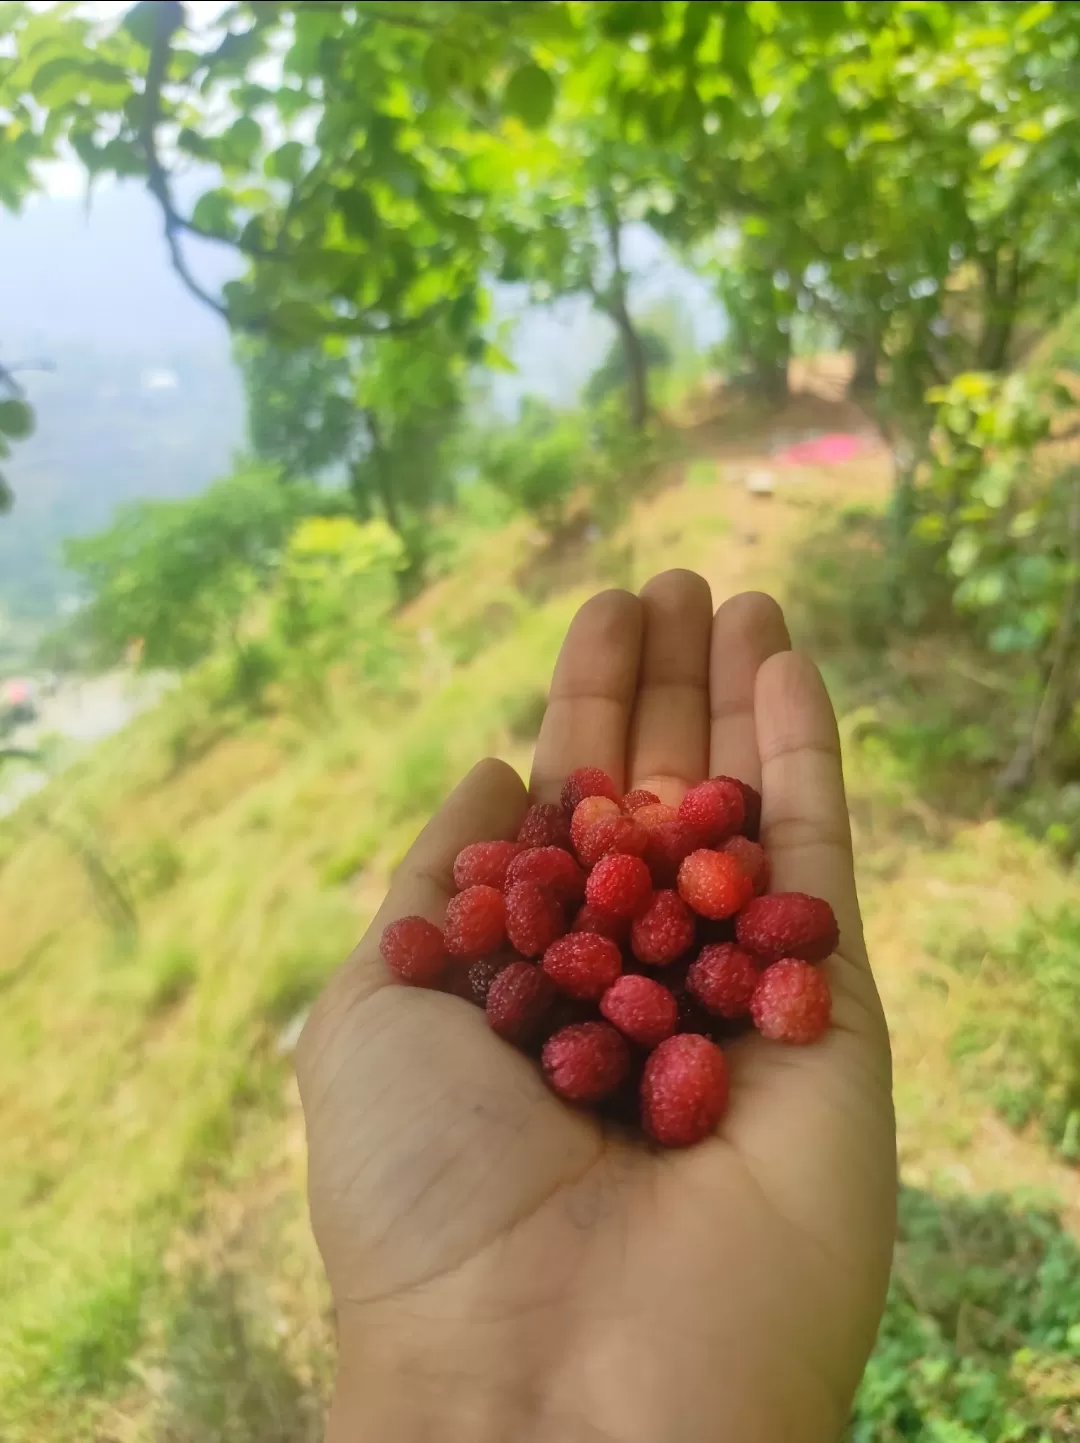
<point>625,939</point>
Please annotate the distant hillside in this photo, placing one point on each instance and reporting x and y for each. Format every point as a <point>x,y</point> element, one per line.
<point>143,401</point>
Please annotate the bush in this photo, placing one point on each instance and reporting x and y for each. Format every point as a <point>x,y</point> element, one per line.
<point>979,1342</point>
<point>1021,1040</point>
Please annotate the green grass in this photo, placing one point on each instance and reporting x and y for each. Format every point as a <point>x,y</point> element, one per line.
<point>158,1277</point>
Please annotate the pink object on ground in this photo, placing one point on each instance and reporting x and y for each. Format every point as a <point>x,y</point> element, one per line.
<point>826,450</point>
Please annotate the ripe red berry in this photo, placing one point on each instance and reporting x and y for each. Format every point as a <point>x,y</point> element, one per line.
<point>620,885</point>
<point>586,1062</point>
<point>642,1010</point>
<point>639,797</point>
<point>684,1090</point>
<point>587,782</point>
<point>475,922</point>
<point>549,867</point>
<point>787,924</point>
<point>664,931</point>
<point>752,858</point>
<point>589,919</point>
<point>714,810</point>
<point>612,834</point>
<point>415,950</point>
<point>481,975</point>
<point>545,825</point>
<point>586,814</point>
<point>668,846</point>
<point>655,814</point>
<point>534,918</point>
<point>723,979</point>
<point>484,864</point>
<point>518,1001</point>
<point>751,807</point>
<point>791,1002</point>
<point>714,884</point>
<point>583,964</point>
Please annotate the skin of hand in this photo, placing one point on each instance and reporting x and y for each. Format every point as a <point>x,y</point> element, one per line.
<point>504,1267</point>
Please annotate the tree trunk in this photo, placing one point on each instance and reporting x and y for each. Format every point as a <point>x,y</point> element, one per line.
<point>637,365</point>
<point>1055,697</point>
<point>864,379</point>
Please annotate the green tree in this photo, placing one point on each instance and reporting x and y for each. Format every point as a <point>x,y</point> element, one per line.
<point>178,577</point>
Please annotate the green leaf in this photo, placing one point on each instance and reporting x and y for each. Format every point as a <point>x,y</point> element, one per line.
<point>738,44</point>
<point>16,419</point>
<point>530,95</point>
<point>213,212</point>
<point>359,214</point>
<point>285,163</point>
<point>240,141</point>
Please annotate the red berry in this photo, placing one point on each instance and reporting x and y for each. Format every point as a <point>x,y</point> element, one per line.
<point>583,964</point>
<point>714,884</point>
<point>787,924</point>
<point>664,932</point>
<point>549,867</point>
<point>639,797</point>
<point>612,834</point>
<point>545,825</point>
<point>714,810</point>
<point>620,885</point>
<point>641,1009</point>
<point>586,814</point>
<point>791,1002</point>
<point>723,979</point>
<point>589,919</point>
<point>668,846</point>
<point>587,782</point>
<point>481,975</point>
<point>752,858</point>
<point>751,807</point>
<point>518,1001</point>
<point>533,918</point>
<point>484,864</point>
<point>655,814</point>
<point>586,1062</point>
<point>415,950</point>
<point>475,922</point>
<point>684,1090</point>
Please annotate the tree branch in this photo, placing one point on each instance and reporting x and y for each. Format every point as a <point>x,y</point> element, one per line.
<point>169,17</point>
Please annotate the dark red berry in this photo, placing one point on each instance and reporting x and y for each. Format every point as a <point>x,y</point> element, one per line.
<point>415,951</point>
<point>518,1001</point>
<point>791,1002</point>
<point>583,964</point>
<point>589,919</point>
<point>475,922</point>
<point>587,782</point>
<point>533,918</point>
<point>642,1010</point>
<point>586,1062</point>
<point>684,1090</point>
<point>664,931</point>
<point>752,858</point>
<point>639,797</point>
<point>619,885</point>
<point>481,975</point>
<point>484,864</point>
<point>545,825</point>
<point>723,979</point>
<point>550,867</point>
<point>787,924</point>
<point>714,810</point>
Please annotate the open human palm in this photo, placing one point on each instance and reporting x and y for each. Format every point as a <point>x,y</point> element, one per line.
<point>506,1268</point>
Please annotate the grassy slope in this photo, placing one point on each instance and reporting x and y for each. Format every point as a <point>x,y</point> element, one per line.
<point>151,1152</point>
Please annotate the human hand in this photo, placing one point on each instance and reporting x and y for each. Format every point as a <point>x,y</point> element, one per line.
<point>505,1268</point>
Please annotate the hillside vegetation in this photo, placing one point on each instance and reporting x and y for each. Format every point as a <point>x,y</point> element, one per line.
<point>173,905</point>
